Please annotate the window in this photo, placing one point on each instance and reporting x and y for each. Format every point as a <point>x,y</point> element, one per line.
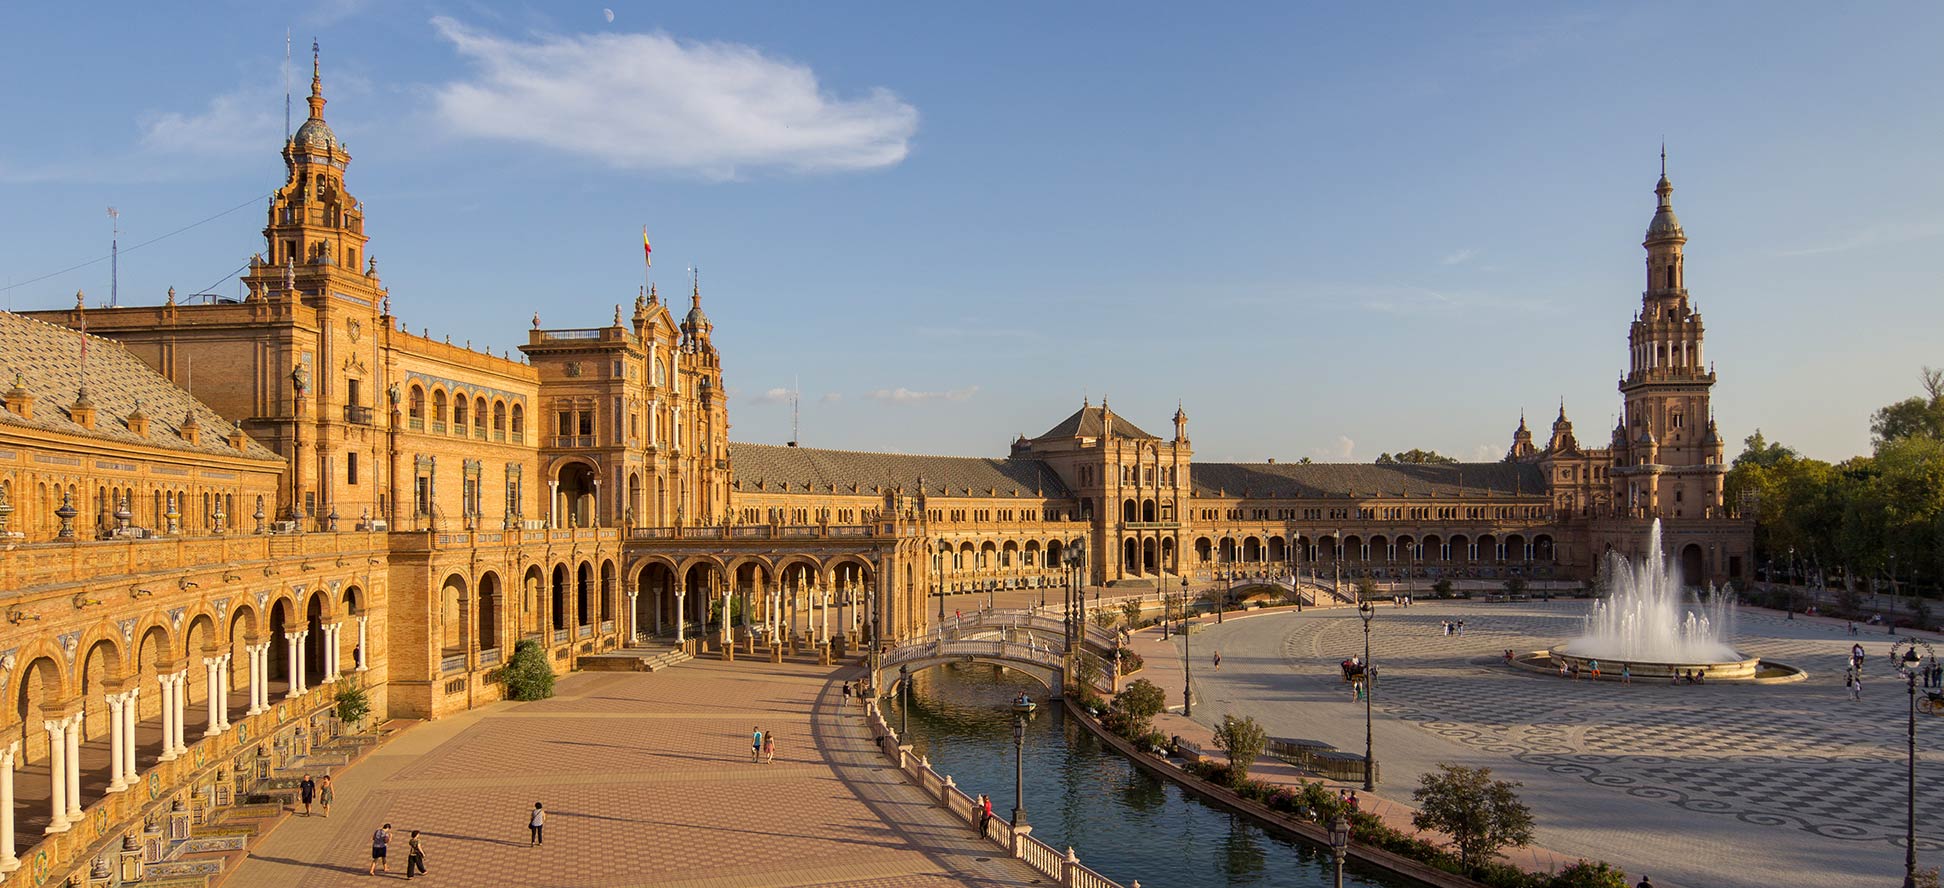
<point>417,404</point>
<point>566,422</point>
<point>351,468</point>
<point>351,392</point>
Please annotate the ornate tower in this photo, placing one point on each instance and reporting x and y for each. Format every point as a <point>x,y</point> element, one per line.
<point>1522,449</point>
<point>315,228</point>
<point>1664,464</point>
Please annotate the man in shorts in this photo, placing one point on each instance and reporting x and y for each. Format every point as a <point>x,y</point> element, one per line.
<point>379,840</point>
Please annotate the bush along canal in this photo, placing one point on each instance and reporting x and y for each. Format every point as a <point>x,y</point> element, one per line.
<point>1123,822</point>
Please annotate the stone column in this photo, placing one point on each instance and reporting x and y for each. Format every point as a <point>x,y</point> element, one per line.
<point>181,687</point>
<point>131,713</point>
<point>57,772</point>
<point>331,669</point>
<point>223,686</point>
<point>728,633</point>
<point>259,677</point>
<point>213,688</point>
<point>634,619</point>
<point>74,768</point>
<point>294,661</point>
<point>8,862</point>
<point>117,781</point>
<point>165,684</point>
<point>680,629</point>
<point>364,653</point>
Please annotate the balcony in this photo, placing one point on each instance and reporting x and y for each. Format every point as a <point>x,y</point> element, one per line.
<point>573,441</point>
<point>356,414</point>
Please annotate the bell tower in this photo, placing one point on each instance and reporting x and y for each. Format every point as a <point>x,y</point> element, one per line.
<point>1666,465</point>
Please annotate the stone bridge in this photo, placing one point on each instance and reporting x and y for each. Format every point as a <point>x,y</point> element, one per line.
<point>1033,643</point>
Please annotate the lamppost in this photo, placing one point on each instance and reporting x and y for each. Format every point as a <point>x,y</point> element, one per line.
<point>1167,608</point>
<point>1909,664</point>
<point>938,583</point>
<point>904,710</point>
<point>1340,844</point>
<point>1365,611</point>
<point>1187,658</point>
<point>1227,581</point>
<point>1019,771</point>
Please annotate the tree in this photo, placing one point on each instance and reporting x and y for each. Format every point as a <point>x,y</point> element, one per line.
<point>1414,456</point>
<point>1916,417</point>
<point>1244,741</point>
<point>1480,814</point>
<point>1140,701</point>
<point>1442,588</point>
<point>1131,610</point>
<point>1589,875</point>
<point>1515,587</point>
<point>527,675</point>
<point>353,704</point>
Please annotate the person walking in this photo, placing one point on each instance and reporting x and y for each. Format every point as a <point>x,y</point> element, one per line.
<point>769,748</point>
<point>847,695</point>
<point>307,791</point>
<point>380,839</point>
<point>326,795</point>
<point>414,856</point>
<point>756,744</point>
<point>1856,686</point>
<point>1645,883</point>
<point>535,824</point>
<point>985,816</point>
<point>1626,674</point>
<point>1218,661</point>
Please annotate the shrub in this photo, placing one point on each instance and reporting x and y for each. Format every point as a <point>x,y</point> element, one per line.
<point>1131,610</point>
<point>1129,661</point>
<point>1366,589</point>
<point>1139,702</point>
<point>353,704</point>
<point>1586,874</point>
<point>1105,619</point>
<point>1442,587</point>
<point>1480,814</point>
<point>1515,587</point>
<point>1243,740</point>
<point>528,676</point>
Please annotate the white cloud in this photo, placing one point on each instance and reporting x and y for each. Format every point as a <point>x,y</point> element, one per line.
<point>1486,453</point>
<point>1457,257</point>
<point>902,395</point>
<point>1875,235</point>
<point>1345,450</point>
<point>830,398</point>
<point>245,122</point>
<point>773,396</point>
<point>651,102</point>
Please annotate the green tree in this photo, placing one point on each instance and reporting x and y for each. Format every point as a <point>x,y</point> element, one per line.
<point>1515,587</point>
<point>1586,874</point>
<point>1132,611</point>
<point>1915,417</point>
<point>1366,588</point>
<point>1480,814</point>
<point>353,704</point>
<point>1244,741</point>
<point>527,675</point>
<point>1442,588</point>
<point>1140,701</point>
<point>1415,456</point>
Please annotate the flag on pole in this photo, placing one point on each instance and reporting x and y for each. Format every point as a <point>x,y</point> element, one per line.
<point>647,252</point>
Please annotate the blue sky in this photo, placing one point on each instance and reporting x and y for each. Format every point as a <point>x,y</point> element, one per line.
<point>1330,231</point>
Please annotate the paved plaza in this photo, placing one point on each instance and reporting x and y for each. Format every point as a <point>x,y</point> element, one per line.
<point>1712,786</point>
<point>647,781</point>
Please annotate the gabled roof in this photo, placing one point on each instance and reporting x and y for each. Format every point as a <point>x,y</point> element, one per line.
<point>47,359</point>
<point>1090,422</point>
<point>806,470</point>
<point>1295,480</point>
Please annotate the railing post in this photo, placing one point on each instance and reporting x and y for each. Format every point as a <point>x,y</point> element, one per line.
<point>945,793</point>
<point>1069,868</point>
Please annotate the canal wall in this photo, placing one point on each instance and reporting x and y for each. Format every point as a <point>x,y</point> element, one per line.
<point>1395,864</point>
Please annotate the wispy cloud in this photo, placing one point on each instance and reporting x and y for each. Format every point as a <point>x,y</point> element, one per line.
<point>773,396</point>
<point>1345,450</point>
<point>830,398</point>
<point>1457,257</point>
<point>902,395</point>
<point>1874,236</point>
<point>654,103</point>
<point>1486,453</point>
<point>245,122</point>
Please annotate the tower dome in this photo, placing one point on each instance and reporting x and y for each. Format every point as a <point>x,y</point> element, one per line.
<point>315,132</point>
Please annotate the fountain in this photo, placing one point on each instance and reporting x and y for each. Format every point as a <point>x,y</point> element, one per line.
<point>1648,623</point>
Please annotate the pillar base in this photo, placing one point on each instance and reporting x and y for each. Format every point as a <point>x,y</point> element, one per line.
<point>168,756</point>
<point>58,826</point>
<point>9,864</point>
<point>729,653</point>
<point>776,653</point>
<point>117,787</point>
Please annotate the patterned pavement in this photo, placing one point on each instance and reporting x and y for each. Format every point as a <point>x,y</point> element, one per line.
<point>1729,785</point>
<point>647,781</point>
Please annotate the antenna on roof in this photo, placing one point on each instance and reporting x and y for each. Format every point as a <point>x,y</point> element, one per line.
<point>796,401</point>
<point>286,73</point>
<point>114,257</point>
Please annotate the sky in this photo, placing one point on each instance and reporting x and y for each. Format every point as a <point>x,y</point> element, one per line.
<point>1326,230</point>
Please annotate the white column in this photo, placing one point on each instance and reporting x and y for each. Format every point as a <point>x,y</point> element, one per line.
<point>728,597</point>
<point>634,621</point>
<point>259,692</point>
<point>57,772</point>
<point>293,661</point>
<point>117,738</point>
<point>213,695</point>
<point>8,862</point>
<point>364,651</point>
<point>223,685</point>
<point>825,595</point>
<point>680,593</point>
<point>168,698</point>
<point>329,671</point>
<point>181,687</point>
<point>74,767</point>
<point>131,713</point>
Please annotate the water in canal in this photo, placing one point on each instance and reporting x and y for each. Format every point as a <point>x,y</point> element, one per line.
<point>1118,819</point>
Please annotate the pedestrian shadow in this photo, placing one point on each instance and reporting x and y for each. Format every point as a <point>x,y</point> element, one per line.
<point>478,839</point>
<point>307,864</point>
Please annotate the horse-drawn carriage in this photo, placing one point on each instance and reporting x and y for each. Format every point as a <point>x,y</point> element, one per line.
<point>1933,702</point>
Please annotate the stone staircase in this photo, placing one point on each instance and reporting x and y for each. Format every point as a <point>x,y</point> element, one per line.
<point>634,659</point>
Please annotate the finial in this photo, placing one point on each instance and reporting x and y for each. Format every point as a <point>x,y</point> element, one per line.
<point>536,320</point>
<point>316,99</point>
<point>79,301</point>
<point>171,295</point>
<point>653,298</point>
<point>617,314</point>
<point>1663,158</point>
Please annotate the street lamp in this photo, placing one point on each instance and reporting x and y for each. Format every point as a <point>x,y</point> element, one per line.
<point>904,710</point>
<point>1365,611</point>
<point>1187,658</point>
<point>1340,844</point>
<point>1019,771</point>
<point>1227,581</point>
<point>1909,664</point>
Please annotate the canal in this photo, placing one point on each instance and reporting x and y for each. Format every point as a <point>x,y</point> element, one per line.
<point>1079,793</point>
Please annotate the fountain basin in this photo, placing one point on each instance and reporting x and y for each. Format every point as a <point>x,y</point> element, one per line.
<point>1726,670</point>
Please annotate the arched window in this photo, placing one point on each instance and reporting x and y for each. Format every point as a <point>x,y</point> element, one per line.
<point>519,420</point>
<point>416,406</point>
<point>499,416</point>
<point>479,416</point>
<point>1670,276</point>
<point>459,411</point>
<point>438,405</point>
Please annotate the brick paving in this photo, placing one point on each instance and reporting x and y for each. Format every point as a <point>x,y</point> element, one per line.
<point>647,781</point>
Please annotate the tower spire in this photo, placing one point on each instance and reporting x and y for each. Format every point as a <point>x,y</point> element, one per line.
<point>317,84</point>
